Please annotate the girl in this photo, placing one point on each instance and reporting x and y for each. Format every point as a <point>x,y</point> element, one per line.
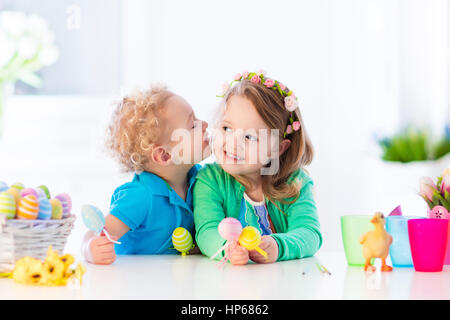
<point>145,211</point>
<point>257,180</point>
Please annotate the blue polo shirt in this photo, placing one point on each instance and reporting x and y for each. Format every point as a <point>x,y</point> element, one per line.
<point>152,210</point>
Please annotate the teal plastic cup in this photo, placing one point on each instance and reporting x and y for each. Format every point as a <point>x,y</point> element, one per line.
<point>400,250</point>
<point>352,228</point>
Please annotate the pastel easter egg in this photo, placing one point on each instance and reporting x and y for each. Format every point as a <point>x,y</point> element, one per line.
<point>40,193</point>
<point>182,240</point>
<point>28,191</point>
<point>439,212</point>
<point>28,207</point>
<point>230,229</point>
<point>15,193</point>
<point>57,209</point>
<point>3,186</point>
<point>93,218</point>
<point>66,202</point>
<point>18,185</point>
<point>7,205</point>
<point>45,189</point>
<point>45,209</point>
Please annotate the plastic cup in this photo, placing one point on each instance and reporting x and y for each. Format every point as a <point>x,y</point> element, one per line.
<point>352,228</point>
<point>428,240</point>
<point>400,250</point>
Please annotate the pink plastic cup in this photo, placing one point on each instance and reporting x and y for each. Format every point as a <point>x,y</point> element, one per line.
<point>428,240</point>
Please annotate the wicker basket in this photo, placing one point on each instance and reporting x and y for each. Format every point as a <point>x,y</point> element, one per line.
<point>20,238</point>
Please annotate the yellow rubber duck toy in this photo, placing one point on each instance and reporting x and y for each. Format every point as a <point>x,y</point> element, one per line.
<point>376,244</point>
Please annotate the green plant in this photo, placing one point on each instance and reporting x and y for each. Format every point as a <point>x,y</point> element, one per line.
<point>412,144</point>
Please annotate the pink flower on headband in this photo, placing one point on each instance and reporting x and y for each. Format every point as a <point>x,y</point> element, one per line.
<point>255,79</point>
<point>290,103</point>
<point>282,86</point>
<point>245,74</point>
<point>237,76</point>
<point>296,125</point>
<point>225,88</point>
<point>261,72</point>
<point>289,129</point>
<point>269,83</point>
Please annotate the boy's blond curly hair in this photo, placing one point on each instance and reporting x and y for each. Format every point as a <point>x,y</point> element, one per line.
<point>135,127</point>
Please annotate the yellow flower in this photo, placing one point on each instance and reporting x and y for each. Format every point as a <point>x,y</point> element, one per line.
<point>54,268</point>
<point>29,270</point>
<point>79,272</point>
<point>67,260</point>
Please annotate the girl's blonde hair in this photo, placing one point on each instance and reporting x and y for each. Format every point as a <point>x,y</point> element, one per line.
<point>271,108</point>
<point>135,127</point>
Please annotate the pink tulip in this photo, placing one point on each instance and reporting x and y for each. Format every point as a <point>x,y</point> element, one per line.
<point>245,74</point>
<point>445,184</point>
<point>237,77</point>
<point>296,125</point>
<point>427,187</point>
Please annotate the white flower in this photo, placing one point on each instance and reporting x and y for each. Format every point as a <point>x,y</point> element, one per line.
<point>13,22</point>
<point>8,49</point>
<point>48,55</point>
<point>37,26</point>
<point>290,103</point>
<point>27,47</point>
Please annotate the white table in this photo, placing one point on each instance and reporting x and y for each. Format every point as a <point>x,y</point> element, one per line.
<point>196,277</point>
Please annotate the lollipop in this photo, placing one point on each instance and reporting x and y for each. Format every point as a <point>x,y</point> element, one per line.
<point>250,239</point>
<point>230,229</point>
<point>182,240</point>
<point>95,221</point>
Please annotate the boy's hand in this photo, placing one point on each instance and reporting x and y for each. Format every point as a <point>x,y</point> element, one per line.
<point>236,254</point>
<point>269,245</point>
<point>102,250</point>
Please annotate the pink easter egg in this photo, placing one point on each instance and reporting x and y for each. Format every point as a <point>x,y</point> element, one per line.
<point>28,191</point>
<point>438,212</point>
<point>230,229</point>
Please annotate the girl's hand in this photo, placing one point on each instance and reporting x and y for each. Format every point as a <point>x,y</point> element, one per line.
<point>269,245</point>
<point>236,254</point>
<point>102,250</point>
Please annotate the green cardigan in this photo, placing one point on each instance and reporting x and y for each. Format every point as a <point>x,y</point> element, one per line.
<point>218,195</point>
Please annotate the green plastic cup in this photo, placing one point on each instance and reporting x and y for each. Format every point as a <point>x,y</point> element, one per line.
<point>352,228</point>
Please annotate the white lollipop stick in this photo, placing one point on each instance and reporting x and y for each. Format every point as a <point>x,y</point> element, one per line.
<point>109,237</point>
<point>220,250</point>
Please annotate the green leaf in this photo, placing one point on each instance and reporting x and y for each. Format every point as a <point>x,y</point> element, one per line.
<point>429,203</point>
<point>447,195</point>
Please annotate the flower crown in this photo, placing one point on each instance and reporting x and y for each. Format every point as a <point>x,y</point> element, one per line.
<point>290,100</point>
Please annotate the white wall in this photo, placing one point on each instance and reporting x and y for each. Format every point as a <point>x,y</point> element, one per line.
<point>348,62</point>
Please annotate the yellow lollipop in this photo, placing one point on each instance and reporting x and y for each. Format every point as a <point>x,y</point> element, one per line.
<point>250,239</point>
<point>182,240</point>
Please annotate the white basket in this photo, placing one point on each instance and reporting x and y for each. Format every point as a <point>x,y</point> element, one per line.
<point>20,238</point>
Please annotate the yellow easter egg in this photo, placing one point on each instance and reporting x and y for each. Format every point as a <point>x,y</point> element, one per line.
<point>57,209</point>
<point>182,240</point>
<point>7,205</point>
<point>15,193</point>
<point>28,207</point>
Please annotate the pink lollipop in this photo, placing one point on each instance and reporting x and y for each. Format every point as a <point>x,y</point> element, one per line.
<point>230,229</point>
